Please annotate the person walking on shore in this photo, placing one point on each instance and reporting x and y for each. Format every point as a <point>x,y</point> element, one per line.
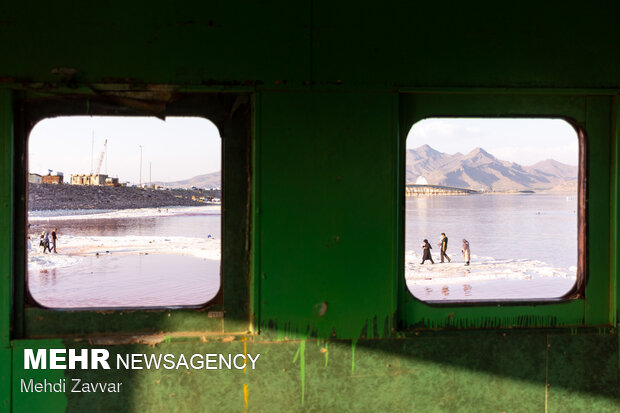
<point>465,251</point>
<point>443,245</point>
<point>54,237</point>
<point>426,252</point>
<point>44,243</point>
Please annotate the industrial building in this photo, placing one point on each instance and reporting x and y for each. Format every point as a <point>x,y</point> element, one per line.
<point>94,180</point>
<point>34,178</point>
<point>88,179</point>
<point>52,178</point>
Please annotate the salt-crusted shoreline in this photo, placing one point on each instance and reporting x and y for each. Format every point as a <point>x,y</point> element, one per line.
<point>72,249</point>
<point>53,215</point>
<point>480,269</point>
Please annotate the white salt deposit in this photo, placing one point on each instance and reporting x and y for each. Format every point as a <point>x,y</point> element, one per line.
<point>480,269</point>
<point>53,215</point>
<point>73,248</point>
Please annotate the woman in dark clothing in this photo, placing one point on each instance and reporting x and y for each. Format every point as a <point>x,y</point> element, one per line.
<point>426,254</point>
<point>54,238</point>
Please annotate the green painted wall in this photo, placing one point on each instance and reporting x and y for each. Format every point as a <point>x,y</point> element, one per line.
<point>342,252</point>
<point>334,88</point>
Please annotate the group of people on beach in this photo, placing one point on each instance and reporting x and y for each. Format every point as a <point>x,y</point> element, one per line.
<point>44,241</point>
<point>443,245</point>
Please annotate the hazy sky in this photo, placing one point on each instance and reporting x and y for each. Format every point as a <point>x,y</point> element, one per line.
<point>177,148</point>
<point>180,148</point>
<point>524,141</point>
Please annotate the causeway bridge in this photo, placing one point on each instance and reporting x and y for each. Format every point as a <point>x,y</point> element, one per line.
<point>416,190</point>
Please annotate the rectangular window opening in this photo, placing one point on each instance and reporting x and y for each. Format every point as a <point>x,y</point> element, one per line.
<point>494,210</point>
<point>123,212</point>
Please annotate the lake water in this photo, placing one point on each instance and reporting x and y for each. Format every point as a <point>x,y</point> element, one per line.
<point>146,261</point>
<point>111,280</point>
<point>522,245</point>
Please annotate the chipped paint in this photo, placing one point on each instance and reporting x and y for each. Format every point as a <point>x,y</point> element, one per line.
<point>330,124</point>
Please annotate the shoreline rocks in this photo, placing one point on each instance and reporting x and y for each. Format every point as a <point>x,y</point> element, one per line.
<point>65,196</point>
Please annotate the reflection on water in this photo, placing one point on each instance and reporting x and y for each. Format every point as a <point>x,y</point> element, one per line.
<point>496,289</point>
<point>97,273</point>
<point>529,226</point>
<point>126,281</point>
<point>189,225</point>
<point>522,246</point>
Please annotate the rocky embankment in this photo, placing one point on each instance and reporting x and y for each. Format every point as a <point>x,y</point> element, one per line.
<point>64,196</point>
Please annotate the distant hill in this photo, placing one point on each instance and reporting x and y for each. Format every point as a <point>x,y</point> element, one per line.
<point>555,168</point>
<point>480,170</point>
<point>208,181</point>
<point>477,169</point>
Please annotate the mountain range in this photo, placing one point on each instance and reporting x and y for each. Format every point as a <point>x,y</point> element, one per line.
<point>480,170</point>
<point>207,181</point>
<point>477,170</point>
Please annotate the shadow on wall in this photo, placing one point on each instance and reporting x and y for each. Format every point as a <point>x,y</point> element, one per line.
<point>444,371</point>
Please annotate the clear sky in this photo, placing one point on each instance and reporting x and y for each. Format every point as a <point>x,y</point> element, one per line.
<point>182,147</point>
<point>524,141</point>
<point>177,148</point>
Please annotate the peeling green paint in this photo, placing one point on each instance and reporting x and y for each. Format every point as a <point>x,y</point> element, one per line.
<point>335,129</point>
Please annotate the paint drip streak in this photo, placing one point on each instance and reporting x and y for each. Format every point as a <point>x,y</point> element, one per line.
<point>302,350</point>
<point>326,353</point>
<point>496,322</point>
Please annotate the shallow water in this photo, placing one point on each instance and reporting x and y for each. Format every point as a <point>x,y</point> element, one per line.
<point>146,261</point>
<point>522,246</point>
<point>194,224</point>
<point>127,281</point>
<point>495,289</point>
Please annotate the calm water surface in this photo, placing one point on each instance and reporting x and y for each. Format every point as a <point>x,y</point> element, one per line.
<point>118,280</point>
<point>127,281</point>
<point>540,227</point>
<point>187,225</point>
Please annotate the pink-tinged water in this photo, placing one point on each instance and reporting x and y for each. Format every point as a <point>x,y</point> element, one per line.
<point>532,289</point>
<point>107,281</point>
<point>511,233</point>
<point>121,279</point>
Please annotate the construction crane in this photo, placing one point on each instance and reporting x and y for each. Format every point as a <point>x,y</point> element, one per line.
<point>105,143</point>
